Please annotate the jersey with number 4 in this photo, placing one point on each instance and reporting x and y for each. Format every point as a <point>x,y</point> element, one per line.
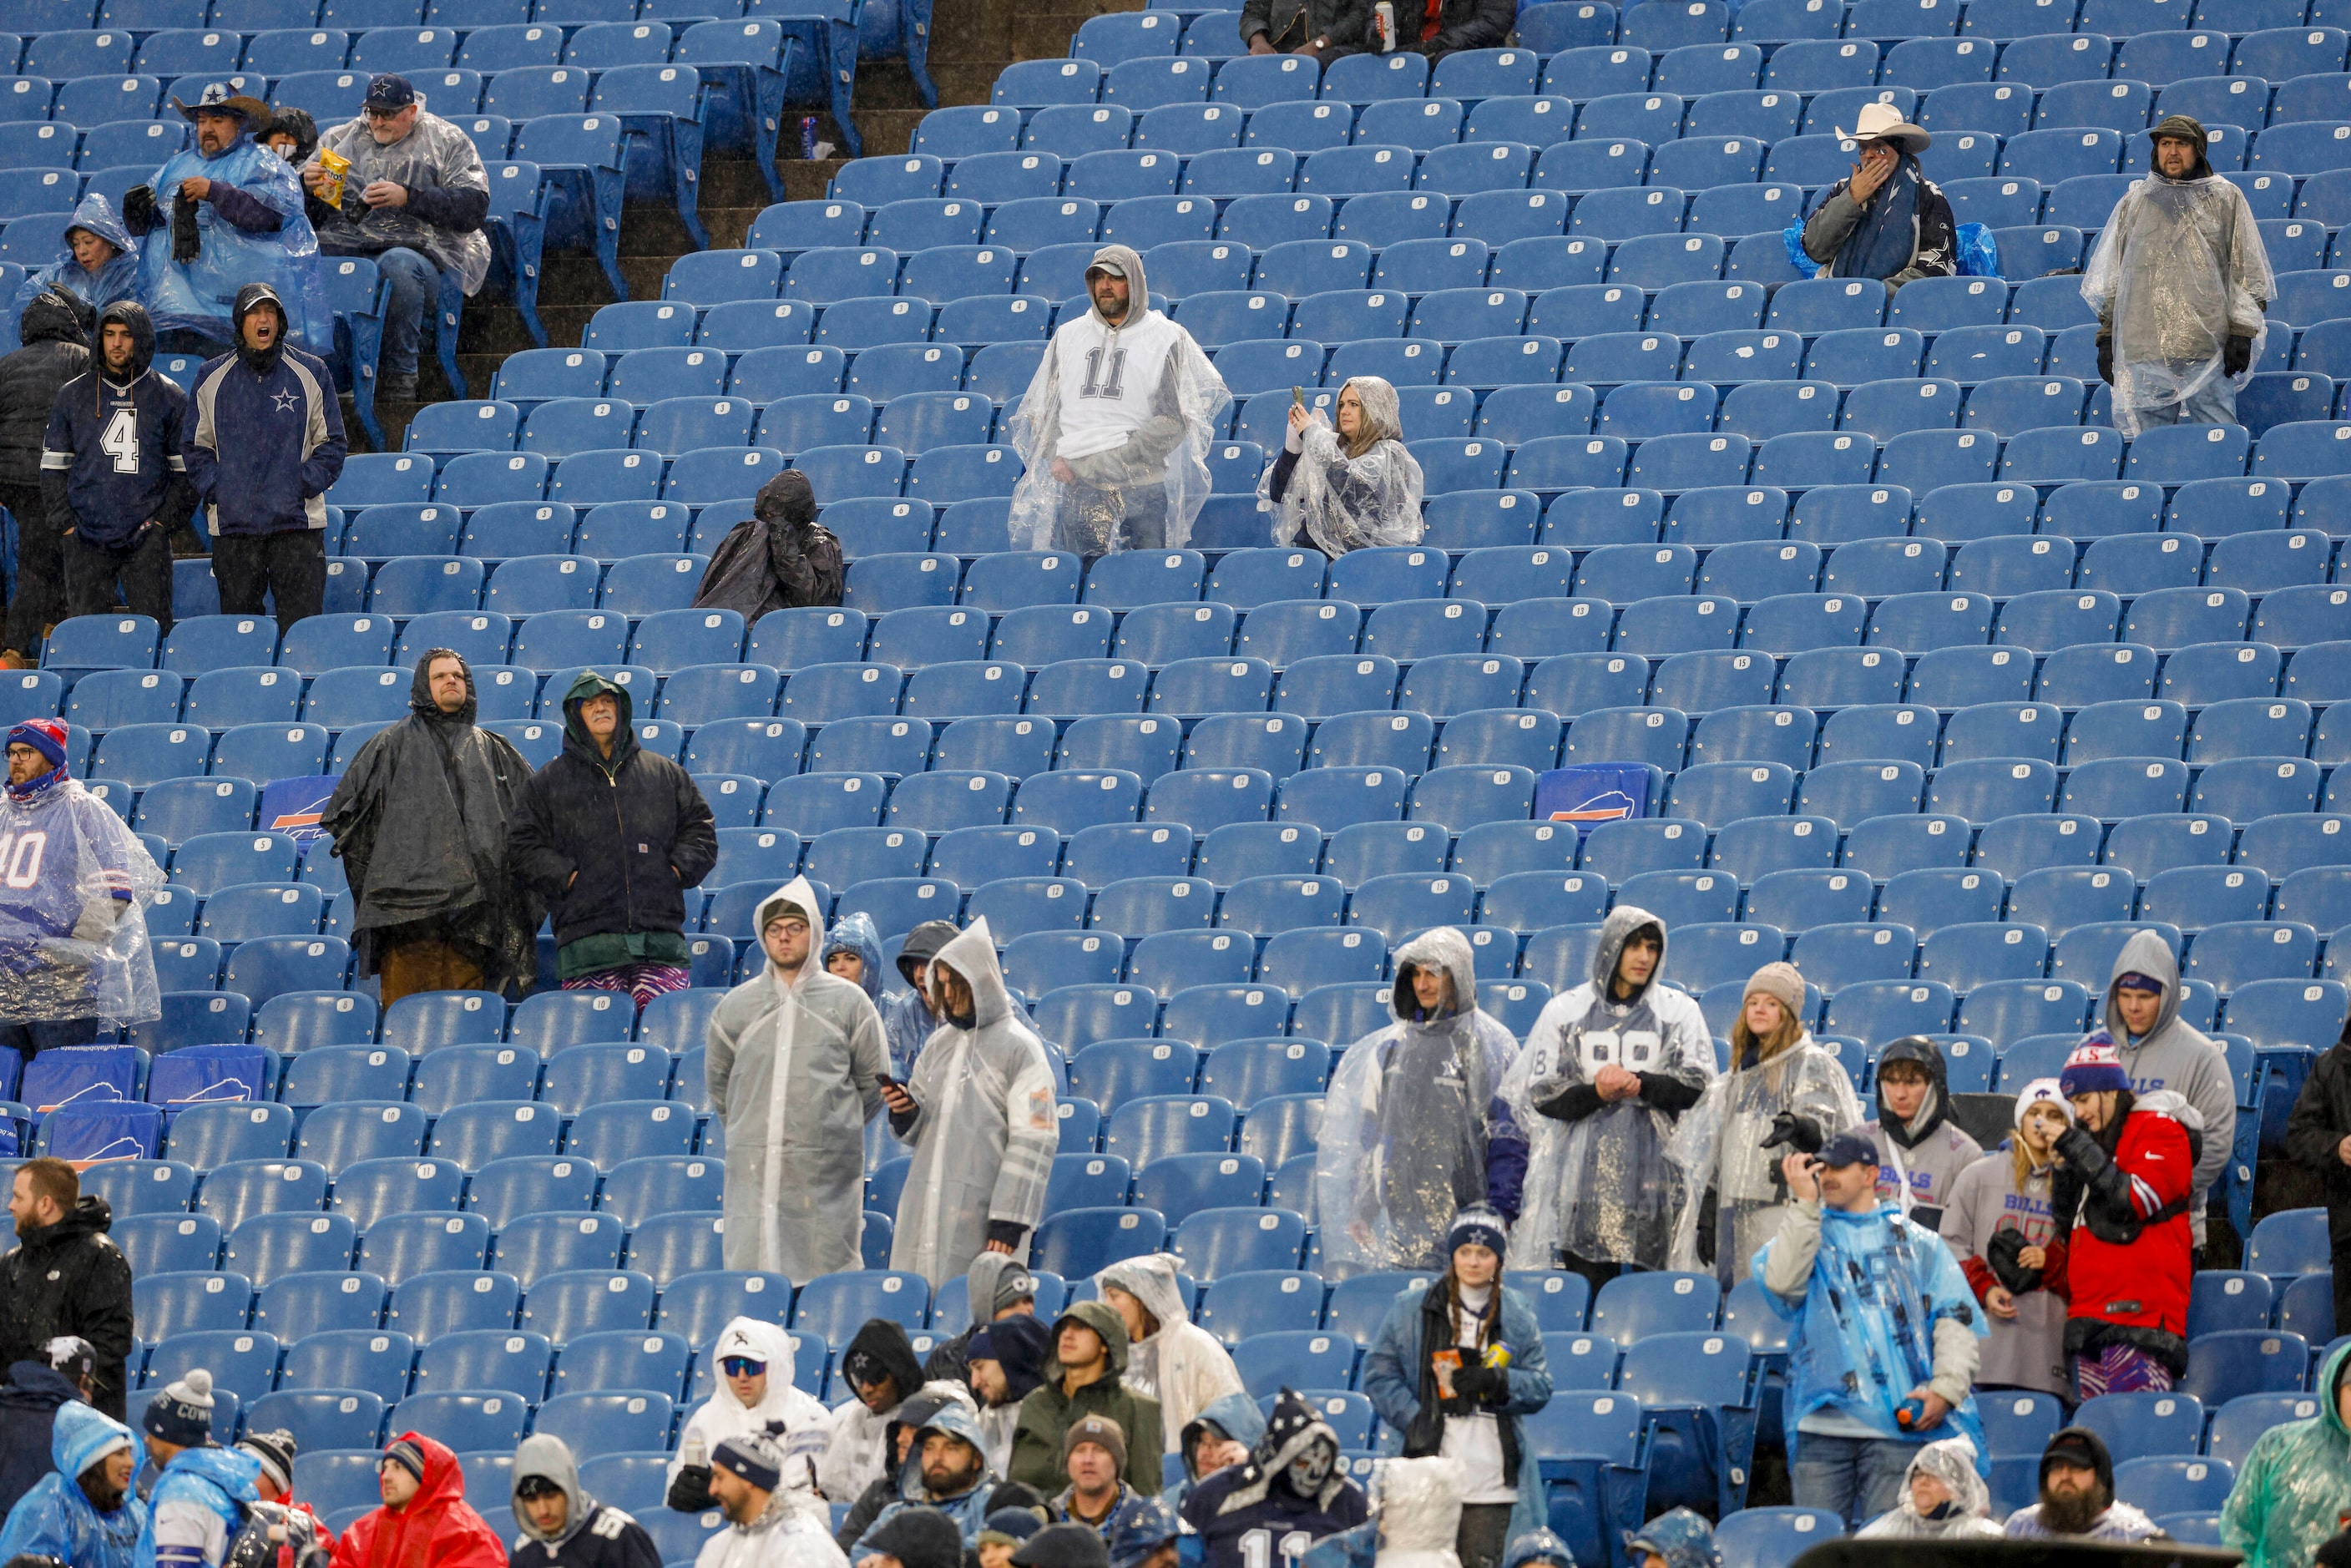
<point>1273,1532</point>
<point>118,446</point>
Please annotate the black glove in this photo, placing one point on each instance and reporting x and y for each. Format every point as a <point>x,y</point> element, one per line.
<point>2106,361</point>
<point>690,1494</point>
<point>2236,354</point>
<point>2105,1191</point>
<point>138,214</point>
<point>187,240</point>
<point>2001,1252</point>
<point>1476,1385</point>
<point>1802,1133</point>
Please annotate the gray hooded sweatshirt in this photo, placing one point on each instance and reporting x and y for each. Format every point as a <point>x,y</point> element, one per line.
<point>594,1535</point>
<point>2175,1057</point>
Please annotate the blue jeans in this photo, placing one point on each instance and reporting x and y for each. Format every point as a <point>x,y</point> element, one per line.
<point>1856,1478</point>
<point>415,294</point>
<point>2215,403</point>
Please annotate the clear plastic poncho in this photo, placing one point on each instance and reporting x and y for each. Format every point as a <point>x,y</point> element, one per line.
<point>1599,1187</point>
<point>1406,1120</point>
<point>985,1130</point>
<point>196,295</point>
<point>1967,1516</point>
<point>1346,503</point>
<point>1131,411</point>
<point>2178,268</point>
<point>1717,1148</point>
<point>75,884</point>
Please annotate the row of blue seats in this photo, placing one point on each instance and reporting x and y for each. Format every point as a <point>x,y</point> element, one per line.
<point>353,15</point>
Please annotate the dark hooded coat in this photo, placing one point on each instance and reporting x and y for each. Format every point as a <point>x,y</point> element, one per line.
<point>420,820</point>
<point>265,433</point>
<point>69,1279</point>
<point>85,487</point>
<point>1920,1161</point>
<point>28,1409</point>
<point>610,843</point>
<point>1258,1496</point>
<point>1048,1414</point>
<point>56,350</point>
<point>779,557</point>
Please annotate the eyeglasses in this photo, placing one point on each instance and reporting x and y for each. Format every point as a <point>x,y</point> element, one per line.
<point>741,1366</point>
<point>385,116</point>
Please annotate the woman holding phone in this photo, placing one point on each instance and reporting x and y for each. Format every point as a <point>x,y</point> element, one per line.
<point>1347,487</point>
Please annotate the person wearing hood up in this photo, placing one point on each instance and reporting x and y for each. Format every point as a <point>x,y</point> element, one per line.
<point>75,955</point>
<point>420,823</point>
<point>65,1278</point>
<point>753,1392</point>
<point>1004,1363</point>
<point>561,1525</point>
<point>1418,1128</point>
<point>795,1070</point>
<point>1349,489</point>
<point>996,1288</point>
<point>202,1492</point>
<point>978,1114</point>
<point>50,325</point>
<point>1144,1534</point>
<point>1675,1539</point>
<point>264,442</point>
<point>2077,1496</point>
<point>1086,1376</point>
<point>2123,1246</point>
<point>1886,220</point>
<point>83,1512</point>
<point>2290,1490</point>
<point>907,1017</point>
<point>1169,1357</point>
<point>1920,1150</point>
<point>65,1370</point>
<point>97,263</point>
<point>293,135</point>
<point>1873,1373</point>
<point>415,198</point>
<point>772,1520</point>
<point>114,479</point>
<point>1292,1490</point>
<point>1005,1529</point>
<point>2182,285</point>
<point>1538,1549</point>
<point>1943,1498</point>
<point>1456,1366</point>
<point>882,1374</point>
<point>950,1473</point>
<point>1224,1434</point>
<point>2318,1139</point>
<point>2164,1053</point>
<point>1114,428</point>
<point>611,835</point>
<point>425,1520</point>
<point>779,558</point>
<point>902,1471</point>
<point>1609,1068</point>
<point>221,213</point>
<point>1784,1091</point>
<point>853,950</point>
<point>1999,1225</point>
<point>302,1540</point>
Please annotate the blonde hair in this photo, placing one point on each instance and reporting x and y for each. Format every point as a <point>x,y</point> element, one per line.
<point>2020,1157</point>
<point>1770,1047</point>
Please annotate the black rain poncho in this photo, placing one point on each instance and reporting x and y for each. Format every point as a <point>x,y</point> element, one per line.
<point>420,821</point>
<point>779,557</point>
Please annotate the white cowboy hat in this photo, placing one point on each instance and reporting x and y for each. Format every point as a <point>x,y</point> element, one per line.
<point>1883,123</point>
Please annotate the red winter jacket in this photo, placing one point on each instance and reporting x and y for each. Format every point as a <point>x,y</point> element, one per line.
<point>2143,1284</point>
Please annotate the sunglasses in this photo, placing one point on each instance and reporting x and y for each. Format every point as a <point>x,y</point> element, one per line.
<point>741,1366</point>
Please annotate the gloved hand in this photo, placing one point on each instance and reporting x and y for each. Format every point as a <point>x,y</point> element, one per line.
<point>2080,1151</point>
<point>2236,354</point>
<point>138,213</point>
<point>1801,1134</point>
<point>690,1494</point>
<point>1479,1384</point>
<point>97,921</point>
<point>187,239</point>
<point>2106,361</point>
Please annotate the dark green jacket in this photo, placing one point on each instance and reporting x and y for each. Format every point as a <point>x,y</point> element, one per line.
<point>1046,1414</point>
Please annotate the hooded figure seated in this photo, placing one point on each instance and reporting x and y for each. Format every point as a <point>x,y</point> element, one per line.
<point>779,557</point>
<point>1348,488</point>
<point>83,1512</point>
<point>222,213</point>
<point>561,1523</point>
<point>950,1472</point>
<point>1943,1498</point>
<point>1886,220</point>
<point>98,261</point>
<point>1292,1484</point>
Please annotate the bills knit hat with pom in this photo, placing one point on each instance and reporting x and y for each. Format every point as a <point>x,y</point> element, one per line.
<point>45,735</point>
<point>2093,1067</point>
<point>182,1413</point>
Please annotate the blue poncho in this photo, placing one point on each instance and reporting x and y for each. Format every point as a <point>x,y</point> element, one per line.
<point>856,935</point>
<point>118,279</point>
<point>196,297</point>
<point>56,1518</point>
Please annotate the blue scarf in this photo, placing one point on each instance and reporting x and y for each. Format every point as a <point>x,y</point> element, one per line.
<point>1882,243</point>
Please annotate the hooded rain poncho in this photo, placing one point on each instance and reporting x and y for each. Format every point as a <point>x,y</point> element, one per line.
<point>73,927</point>
<point>195,296</point>
<point>1183,1365</point>
<point>2292,1487</point>
<point>1343,503</point>
<point>985,1130</point>
<point>1967,1516</point>
<point>437,1528</point>
<point>1130,409</point>
<point>1236,1415</point>
<point>116,279</point>
<point>1599,1186</point>
<point>56,1518</point>
<point>1719,1145</point>
<point>2179,270</point>
<point>1405,1124</point>
<point>420,821</point>
<point>794,1073</point>
<point>1420,1513</point>
<point>793,1419</point>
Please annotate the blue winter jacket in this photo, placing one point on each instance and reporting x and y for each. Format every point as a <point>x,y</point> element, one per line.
<point>118,279</point>
<point>1237,1416</point>
<point>1391,1381</point>
<point>969,1511</point>
<point>56,1518</point>
<point>262,449</point>
<point>197,1507</point>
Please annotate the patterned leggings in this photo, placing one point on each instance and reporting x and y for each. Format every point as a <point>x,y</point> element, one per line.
<point>643,981</point>
<point>2119,1369</point>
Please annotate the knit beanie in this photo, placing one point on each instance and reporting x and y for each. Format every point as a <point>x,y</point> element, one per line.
<point>1481,1225</point>
<point>409,1456</point>
<point>1099,1429</point>
<point>2042,1092</point>
<point>2093,1067</point>
<point>45,735</point>
<point>749,1456</point>
<point>1780,981</point>
<point>182,1415</point>
<point>919,1538</point>
<point>1009,1526</point>
<point>276,1451</point>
